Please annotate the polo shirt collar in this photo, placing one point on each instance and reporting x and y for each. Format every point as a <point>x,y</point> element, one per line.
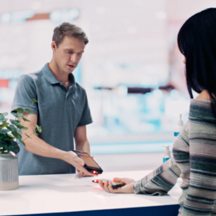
<point>72,79</point>
<point>52,79</point>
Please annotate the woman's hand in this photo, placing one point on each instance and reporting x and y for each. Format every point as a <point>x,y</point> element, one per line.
<point>127,188</point>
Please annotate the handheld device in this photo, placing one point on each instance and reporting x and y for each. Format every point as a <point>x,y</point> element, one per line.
<point>90,163</point>
<point>115,185</point>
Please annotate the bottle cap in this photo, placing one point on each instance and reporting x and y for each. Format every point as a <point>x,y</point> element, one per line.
<point>167,151</point>
<point>167,147</point>
<point>180,122</point>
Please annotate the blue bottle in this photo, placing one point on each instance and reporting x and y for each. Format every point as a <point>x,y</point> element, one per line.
<point>178,128</point>
<point>167,154</point>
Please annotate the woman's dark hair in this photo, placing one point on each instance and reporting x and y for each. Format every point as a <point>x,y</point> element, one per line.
<point>197,42</point>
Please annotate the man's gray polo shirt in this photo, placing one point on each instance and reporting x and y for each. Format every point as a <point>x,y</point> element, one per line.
<point>59,111</point>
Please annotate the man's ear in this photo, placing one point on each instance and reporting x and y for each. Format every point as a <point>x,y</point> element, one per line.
<point>53,45</point>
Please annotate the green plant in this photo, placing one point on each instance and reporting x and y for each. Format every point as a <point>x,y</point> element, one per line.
<point>9,130</point>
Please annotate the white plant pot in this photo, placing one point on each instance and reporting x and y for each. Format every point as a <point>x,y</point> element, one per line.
<point>9,179</point>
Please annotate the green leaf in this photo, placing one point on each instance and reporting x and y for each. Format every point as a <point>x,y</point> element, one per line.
<point>3,143</point>
<point>7,137</point>
<point>24,119</point>
<point>4,149</point>
<point>5,114</point>
<point>28,111</point>
<point>35,132</point>
<point>4,120</point>
<point>15,122</point>
<point>39,128</point>
<point>34,100</point>
<point>27,135</point>
<point>11,128</point>
<point>13,146</point>
<point>4,131</point>
<point>17,114</point>
<point>17,135</point>
<point>4,124</point>
<point>22,127</point>
<point>1,117</point>
<point>20,110</point>
<point>9,145</point>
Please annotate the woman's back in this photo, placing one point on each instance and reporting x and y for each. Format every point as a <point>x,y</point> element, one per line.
<point>195,154</point>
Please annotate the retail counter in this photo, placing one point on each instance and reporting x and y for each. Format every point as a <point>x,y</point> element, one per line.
<point>66,194</point>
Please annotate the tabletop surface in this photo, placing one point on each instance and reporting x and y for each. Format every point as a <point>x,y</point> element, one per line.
<point>67,193</point>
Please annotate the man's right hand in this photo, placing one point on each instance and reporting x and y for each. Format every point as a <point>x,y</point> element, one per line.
<point>78,163</point>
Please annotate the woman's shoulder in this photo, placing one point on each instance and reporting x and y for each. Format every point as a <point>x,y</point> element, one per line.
<point>201,107</point>
<point>204,95</point>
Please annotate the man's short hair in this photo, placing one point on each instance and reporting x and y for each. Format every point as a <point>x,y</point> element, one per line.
<point>71,30</point>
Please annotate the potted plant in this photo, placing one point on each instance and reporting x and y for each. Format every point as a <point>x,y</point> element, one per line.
<point>9,146</point>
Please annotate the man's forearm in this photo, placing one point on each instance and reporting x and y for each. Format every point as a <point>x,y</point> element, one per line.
<point>83,146</point>
<point>37,146</point>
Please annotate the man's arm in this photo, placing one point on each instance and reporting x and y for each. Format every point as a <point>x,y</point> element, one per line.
<point>81,140</point>
<point>37,146</point>
<point>82,143</point>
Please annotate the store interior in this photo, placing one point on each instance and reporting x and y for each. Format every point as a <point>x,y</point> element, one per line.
<point>132,70</point>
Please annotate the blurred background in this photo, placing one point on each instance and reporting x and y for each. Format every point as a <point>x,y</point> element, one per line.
<point>132,69</point>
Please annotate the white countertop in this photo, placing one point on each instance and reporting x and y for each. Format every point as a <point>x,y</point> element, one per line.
<point>68,193</point>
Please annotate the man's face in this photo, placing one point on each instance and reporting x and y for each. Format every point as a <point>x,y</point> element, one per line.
<point>68,54</point>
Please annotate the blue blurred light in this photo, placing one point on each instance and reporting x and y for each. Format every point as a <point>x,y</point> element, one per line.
<point>11,73</point>
<point>13,84</point>
<point>65,15</point>
<point>78,73</point>
<point>174,94</point>
<point>16,17</point>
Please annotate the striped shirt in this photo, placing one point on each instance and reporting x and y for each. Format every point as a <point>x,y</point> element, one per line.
<point>194,153</point>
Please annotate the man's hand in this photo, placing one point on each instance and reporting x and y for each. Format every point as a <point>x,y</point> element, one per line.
<point>128,188</point>
<point>78,163</point>
<point>82,144</point>
<point>81,174</point>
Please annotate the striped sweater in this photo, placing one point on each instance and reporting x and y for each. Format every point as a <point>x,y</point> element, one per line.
<point>194,153</point>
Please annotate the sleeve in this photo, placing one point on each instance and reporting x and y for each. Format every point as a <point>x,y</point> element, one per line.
<point>86,114</point>
<point>160,181</point>
<point>201,193</point>
<point>24,94</point>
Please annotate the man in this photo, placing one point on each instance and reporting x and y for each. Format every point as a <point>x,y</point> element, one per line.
<point>62,109</point>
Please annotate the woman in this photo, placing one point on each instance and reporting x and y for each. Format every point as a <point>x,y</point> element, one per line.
<point>194,151</point>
